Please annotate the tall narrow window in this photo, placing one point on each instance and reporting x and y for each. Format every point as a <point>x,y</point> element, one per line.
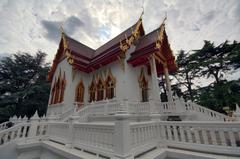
<point>110,86</point>
<point>57,89</point>
<point>100,89</point>
<point>53,92</point>
<point>63,85</point>
<point>143,84</point>
<point>79,95</point>
<point>92,90</point>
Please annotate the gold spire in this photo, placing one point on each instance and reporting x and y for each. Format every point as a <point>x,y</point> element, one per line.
<point>160,33</point>
<point>135,35</point>
<point>165,18</point>
<point>61,29</point>
<point>141,14</point>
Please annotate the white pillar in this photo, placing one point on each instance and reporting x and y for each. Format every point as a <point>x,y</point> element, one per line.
<point>155,86</point>
<point>71,121</point>
<point>122,138</point>
<point>34,123</point>
<point>168,84</point>
<point>237,113</point>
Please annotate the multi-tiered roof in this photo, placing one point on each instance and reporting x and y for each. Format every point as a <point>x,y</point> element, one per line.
<point>86,59</point>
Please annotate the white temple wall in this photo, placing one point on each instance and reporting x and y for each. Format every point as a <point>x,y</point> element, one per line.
<point>127,85</point>
<point>66,68</point>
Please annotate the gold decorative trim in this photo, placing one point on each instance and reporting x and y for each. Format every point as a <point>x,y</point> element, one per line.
<point>100,78</point>
<point>142,80</point>
<point>74,72</point>
<point>134,36</point>
<point>110,75</point>
<point>69,57</point>
<point>92,84</point>
<point>122,62</point>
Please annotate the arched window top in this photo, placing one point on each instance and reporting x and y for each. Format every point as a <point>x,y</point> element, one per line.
<point>63,81</point>
<point>80,84</point>
<point>100,83</point>
<point>58,88</point>
<point>79,94</point>
<point>110,79</point>
<point>142,80</point>
<point>92,85</point>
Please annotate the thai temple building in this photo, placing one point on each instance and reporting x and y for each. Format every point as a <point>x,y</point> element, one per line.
<point>105,104</point>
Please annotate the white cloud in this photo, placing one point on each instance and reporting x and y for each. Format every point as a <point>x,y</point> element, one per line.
<point>189,21</point>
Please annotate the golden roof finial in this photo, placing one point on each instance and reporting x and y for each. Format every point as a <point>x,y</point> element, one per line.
<point>165,18</point>
<point>141,13</point>
<point>142,10</point>
<point>61,29</point>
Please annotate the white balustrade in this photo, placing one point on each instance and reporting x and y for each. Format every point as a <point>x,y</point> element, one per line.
<point>58,131</point>
<point>21,131</point>
<point>190,106</point>
<point>93,135</point>
<point>143,134</point>
<point>166,107</point>
<point>217,137</point>
<point>55,109</point>
<point>4,125</point>
<point>138,108</point>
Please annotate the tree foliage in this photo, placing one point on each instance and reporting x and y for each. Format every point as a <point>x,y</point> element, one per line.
<point>23,86</point>
<point>210,62</point>
<point>187,72</point>
<point>216,61</point>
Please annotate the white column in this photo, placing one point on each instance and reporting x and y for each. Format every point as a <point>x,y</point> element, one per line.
<point>34,123</point>
<point>71,121</point>
<point>122,138</point>
<point>168,84</point>
<point>155,86</point>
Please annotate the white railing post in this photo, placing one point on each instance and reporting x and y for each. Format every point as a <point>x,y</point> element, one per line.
<point>34,123</point>
<point>72,120</point>
<point>152,106</point>
<point>122,141</point>
<point>237,113</point>
<point>106,107</point>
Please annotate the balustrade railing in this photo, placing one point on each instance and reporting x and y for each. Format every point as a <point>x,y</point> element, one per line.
<point>55,109</point>
<point>58,132</point>
<point>23,131</point>
<point>17,132</point>
<point>138,108</point>
<point>191,106</point>
<point>144,136</point>
<point>214,137</point>
<point>166,107</point>
<point>4,125</point>
<point>100,136</point>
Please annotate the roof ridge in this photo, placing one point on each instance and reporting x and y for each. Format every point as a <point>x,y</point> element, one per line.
<point>116,36</point>
<point>79,42</point>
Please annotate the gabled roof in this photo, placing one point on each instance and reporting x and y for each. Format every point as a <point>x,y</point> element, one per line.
<point>79,48</point>
<point>154,44</point>
<point>116,40</point>
<point>87,59</point>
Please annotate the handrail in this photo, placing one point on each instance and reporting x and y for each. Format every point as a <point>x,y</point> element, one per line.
<point>214,137</point>
<point>190,106</point>
<point>4,125</point>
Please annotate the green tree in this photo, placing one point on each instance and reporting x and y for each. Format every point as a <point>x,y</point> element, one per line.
<point>23,86</point>
<point>216,61</point>
<point>234,55</point>
<point>218,95</point>
<point>187,72</point>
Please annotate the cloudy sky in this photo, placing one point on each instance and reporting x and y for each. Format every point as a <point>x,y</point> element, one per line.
<point>30,25</point>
